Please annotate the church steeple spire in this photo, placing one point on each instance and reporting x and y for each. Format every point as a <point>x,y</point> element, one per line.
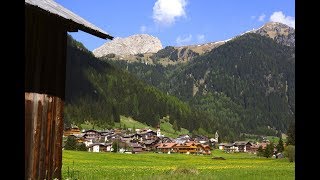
<point>158,130</point>
<point>216,136</point>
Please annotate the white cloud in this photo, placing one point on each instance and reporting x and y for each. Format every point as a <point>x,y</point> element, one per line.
<point>200,38</point>
<point>165,12</point>
<point>143,29</point>
<point>183,40</point>
<point>261,17</point>
<point>280,17</point>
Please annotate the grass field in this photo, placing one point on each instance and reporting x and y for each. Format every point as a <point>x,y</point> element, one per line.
<point>88,165</point>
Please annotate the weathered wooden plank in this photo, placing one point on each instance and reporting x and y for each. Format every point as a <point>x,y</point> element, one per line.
<point>49,141</point>
<point>44,123</point>
<point>58,127</point>
<point>43,137</point>
<point>28,138</point>
<point>36,116</point>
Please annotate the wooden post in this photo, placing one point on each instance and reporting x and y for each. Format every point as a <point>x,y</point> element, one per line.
<point>43,136</point>
<point>45,69</point>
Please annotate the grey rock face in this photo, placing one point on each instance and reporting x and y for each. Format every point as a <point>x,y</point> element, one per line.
<point>135,44</point>
<point>281,33</point>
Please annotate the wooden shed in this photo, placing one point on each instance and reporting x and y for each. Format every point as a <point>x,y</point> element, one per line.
<point>46,27</point>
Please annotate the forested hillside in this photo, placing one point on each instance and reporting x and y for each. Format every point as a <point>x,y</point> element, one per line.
<point>99,93</point>
<point>246,85</point>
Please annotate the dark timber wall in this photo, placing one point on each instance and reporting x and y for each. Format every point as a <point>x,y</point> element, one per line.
<point>45,68</point>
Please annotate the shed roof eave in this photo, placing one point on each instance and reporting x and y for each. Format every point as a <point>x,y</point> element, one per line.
<point>51,7</point>
<point>95,33</point>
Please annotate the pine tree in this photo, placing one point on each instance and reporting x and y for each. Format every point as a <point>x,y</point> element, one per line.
<point>291,140</point>
<point>115,113</point>
<point>268,152</point>
<point>135,109</point>
<point>175,126</point>
<point>260,151</point>
<point>280,146</point>
<point>115,146</point>
<point>289,152</point>
<point>81,147</point>
<point>71,143</point>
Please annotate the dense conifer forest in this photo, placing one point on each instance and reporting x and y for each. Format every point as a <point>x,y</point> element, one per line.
<point>246,85</point>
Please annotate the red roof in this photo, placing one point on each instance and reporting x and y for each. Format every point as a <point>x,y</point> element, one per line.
<point>166,145</point>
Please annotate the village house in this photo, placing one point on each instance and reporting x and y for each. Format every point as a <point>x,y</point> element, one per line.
<point>181,140</point>
<point>148,134</point>
<point>253,149</point>
<point>187,148</point>
<point>150,144</point>
<point>263,144</point>
<point>135,148</point>
<point>166,147</point>
<point>166,140</point>
<point>88,142</point>
<point>229,147</point>
<point>237,146</point>
<point>243,146</point>
<point>137,137</point>
<point>91,134</point>
<point>116,138</point>
<point>222,145</point>
<point>100,147</point>
<point>71,131</point>
<point>112,137</point>
<point>201,139</point>
<point>105,132</point>
<point>184,136</point>
<point>203,149</point>
<point>127,138</point>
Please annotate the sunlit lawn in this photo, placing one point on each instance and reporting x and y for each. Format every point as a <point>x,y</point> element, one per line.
<point>89,165</point>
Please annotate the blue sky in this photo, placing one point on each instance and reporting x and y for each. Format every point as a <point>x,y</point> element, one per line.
<point>178,22</point>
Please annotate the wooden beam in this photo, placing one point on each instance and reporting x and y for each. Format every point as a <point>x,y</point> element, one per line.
<point>45,69</point>
<point>43,136</point>
<point>72,27</point>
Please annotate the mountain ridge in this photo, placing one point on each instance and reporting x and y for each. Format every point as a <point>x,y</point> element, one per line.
<point>135,44</point>
<point>171,55</point>
<point>248,82</point>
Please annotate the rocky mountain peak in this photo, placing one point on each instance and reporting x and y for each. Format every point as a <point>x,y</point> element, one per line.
<point>135,44</point>
<point>281,33</point>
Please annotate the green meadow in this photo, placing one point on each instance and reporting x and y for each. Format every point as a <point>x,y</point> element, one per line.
<point>89,165</point>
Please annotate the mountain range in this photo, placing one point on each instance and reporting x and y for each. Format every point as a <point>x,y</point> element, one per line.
<point>148,49</point>
<point>238,86</point>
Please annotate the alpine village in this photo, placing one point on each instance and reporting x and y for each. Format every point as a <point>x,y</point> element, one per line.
<point>133,109</point>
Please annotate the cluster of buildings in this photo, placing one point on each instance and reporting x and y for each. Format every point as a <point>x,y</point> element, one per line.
<point>140,141</point>
<point>244,146</point>
<point>238,146</point>
<point>149,140</point>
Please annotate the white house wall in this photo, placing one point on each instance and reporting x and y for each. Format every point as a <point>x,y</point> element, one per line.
<point>96,148</point>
